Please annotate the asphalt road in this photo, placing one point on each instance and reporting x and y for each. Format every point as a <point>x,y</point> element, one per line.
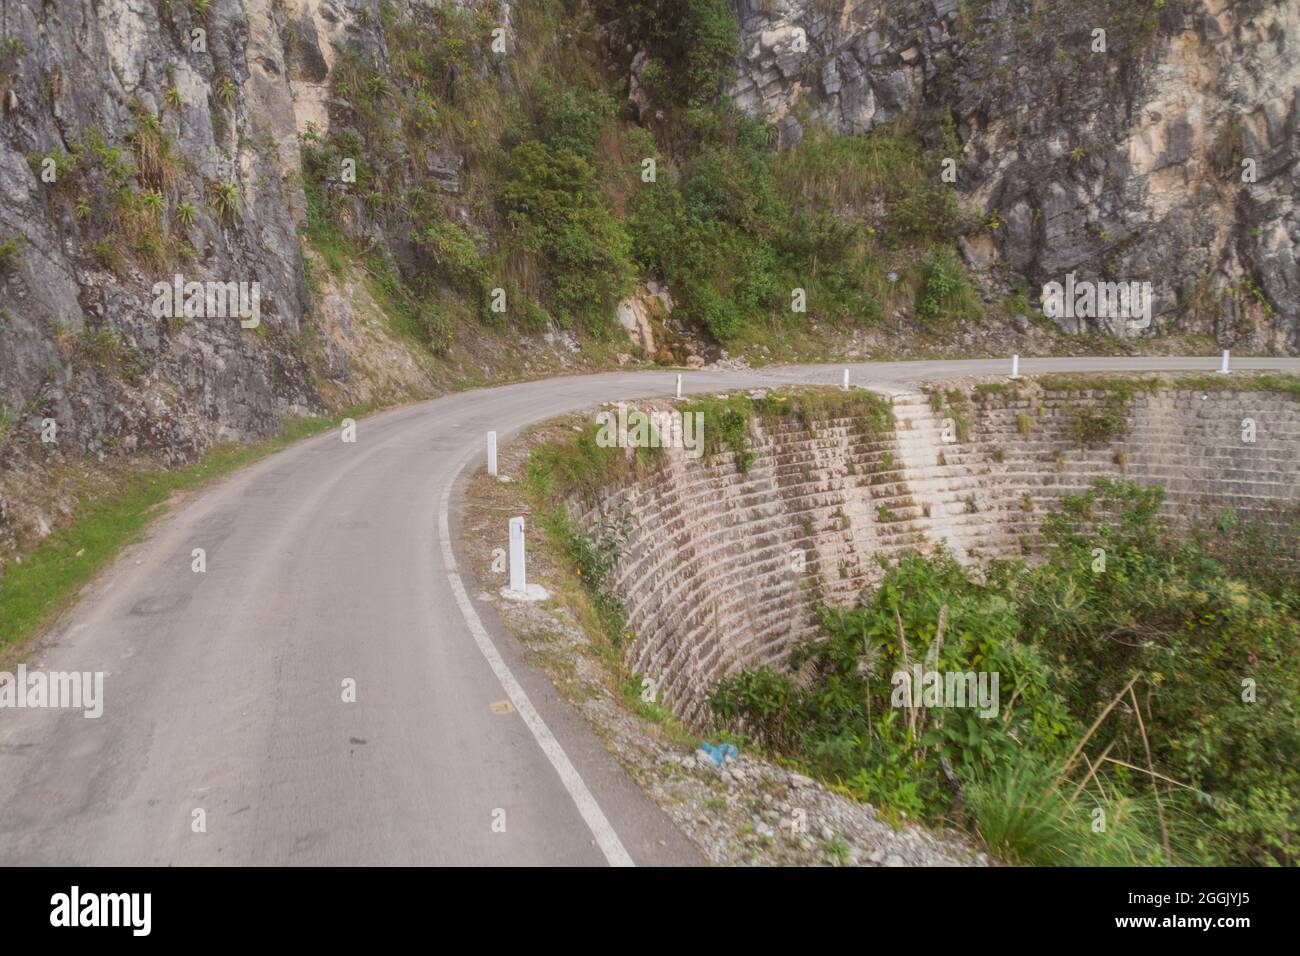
<point>332,562</point>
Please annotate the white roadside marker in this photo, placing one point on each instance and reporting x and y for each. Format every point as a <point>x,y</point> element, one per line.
<point>492,453</point>
<point>1015,366</point>
<point>1223,369</point>
<point>596,821</point>
<point>679,385</point>
<point>517,556</point>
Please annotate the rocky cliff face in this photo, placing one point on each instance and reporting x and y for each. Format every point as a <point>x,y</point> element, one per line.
<point>1169,157</point>
<point>142,141</point>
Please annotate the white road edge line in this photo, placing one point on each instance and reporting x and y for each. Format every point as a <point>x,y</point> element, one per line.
<point>595,819</point>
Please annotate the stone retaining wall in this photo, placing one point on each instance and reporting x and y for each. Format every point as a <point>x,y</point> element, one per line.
<point>723,569</point>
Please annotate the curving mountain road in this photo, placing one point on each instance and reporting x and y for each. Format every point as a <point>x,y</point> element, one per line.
<point>326,562</point>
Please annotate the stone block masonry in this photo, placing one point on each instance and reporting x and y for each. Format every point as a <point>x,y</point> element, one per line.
<point>724,569</point>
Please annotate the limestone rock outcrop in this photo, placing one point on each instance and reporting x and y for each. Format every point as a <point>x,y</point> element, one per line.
<point>1164,149</point>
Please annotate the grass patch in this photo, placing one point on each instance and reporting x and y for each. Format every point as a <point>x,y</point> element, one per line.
<point>727,419</point>
<point>951,403</point>
<point>1282,382</point>
<point>1093,424</point>
<point>1127,388</point>
<point>579,467</point>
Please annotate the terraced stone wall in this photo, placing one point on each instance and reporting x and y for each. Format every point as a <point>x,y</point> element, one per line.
<point>723,568</point>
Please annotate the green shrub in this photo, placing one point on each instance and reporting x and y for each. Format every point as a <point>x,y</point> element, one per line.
<point>717,315</point>
<point>693,44</point>
<point>571,119</point>
<point>456,256</point>
<point>1164,615</point>
<point>597,556</point>
<point>945,290</point>
<point>11,253</point>
<point>1094,424</point>
<point>551,198</point>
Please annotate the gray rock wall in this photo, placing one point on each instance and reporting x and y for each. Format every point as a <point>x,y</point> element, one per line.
<point>82,75</point>
<point>1123,164</point>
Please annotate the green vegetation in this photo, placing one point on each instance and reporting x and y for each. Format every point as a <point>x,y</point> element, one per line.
<point>727,419</point>
<point>945,291</point>
<point>692,43</point>
<point>1094,424</point>
<point>952,403</point>
<point>224,199</point>
<point>552,201</point>
<point>156,162</point>
<point>744,226</point>
<point>726,426</point>
<point>11,51</point>
<point>422,320</point>
<point>60,162</point>
<point>186,214</point>
<point>557,471</point>
<point>1125,387</point>
<point>8,420</point>
<point>225,91</point>
<point>51,575</point>
<point>578,467</point>
<point>564,216</point>
<point>119,193</point>
<point>11,253</point>
<point>1281,382</point>
<point>105,350</point>
<point>1157,693</point>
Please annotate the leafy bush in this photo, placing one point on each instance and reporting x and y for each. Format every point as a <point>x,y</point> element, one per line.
<point>693,45</point>
<point>552,200</point>
<point>719,316</point>
<point>572,119</point>
<point>945,291</point>
<point>11,253</point>
<point>1166,609</point>
<point>597,556</point>
<point>1162,627</point>
<point>456,256</point>
<point>1094,424</point>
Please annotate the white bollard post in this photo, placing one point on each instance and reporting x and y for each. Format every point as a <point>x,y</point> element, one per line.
<point>1223,369</point>
<point>846,378</point>
<point>492,453</point>
<point>517,583</point>
<point>679,385</point>
<point>1015,366</point>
